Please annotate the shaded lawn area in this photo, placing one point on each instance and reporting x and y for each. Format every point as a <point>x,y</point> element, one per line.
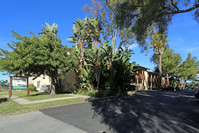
<point>33,95</point>
<point>9,107</point>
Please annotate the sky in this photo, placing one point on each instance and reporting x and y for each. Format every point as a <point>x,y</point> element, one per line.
<point>24,15</point>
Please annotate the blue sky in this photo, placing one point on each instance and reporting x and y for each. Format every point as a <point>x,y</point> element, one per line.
<point>24,15</point>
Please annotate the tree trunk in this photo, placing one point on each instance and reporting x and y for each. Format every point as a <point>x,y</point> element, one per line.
<point>184,85</point>
<point>167,81</point>
<point>53,76</point>
<point>160,71</point>
<point>53,84</point>
<point>98,79</point>
<point>112,70</point>
<point>114,42</point>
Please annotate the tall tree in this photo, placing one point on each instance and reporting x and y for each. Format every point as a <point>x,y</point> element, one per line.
<point>85,32</point>
<point>110,31</point>
<point>37,55</point>
<point>170,65</point>
<point>143,15</point>
<point>189,69</point>
<point>106,16</point>
<point>170,62</point>
<point>158,43</point>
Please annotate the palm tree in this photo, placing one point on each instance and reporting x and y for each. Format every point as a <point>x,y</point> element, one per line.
<point>158,43</point>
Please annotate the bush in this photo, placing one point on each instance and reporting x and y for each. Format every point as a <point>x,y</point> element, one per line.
<point>88,93</point>
<point>32,87</point>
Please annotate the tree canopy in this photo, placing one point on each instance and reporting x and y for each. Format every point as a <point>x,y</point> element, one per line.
<point>141,16</point>
<point>170,62</point>
<point>36,55</point>
<point>97,67</point>
<point>189,68</point>
<point>105,14</point>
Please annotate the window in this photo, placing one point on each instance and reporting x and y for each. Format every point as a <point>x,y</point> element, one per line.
<point>38,84</point>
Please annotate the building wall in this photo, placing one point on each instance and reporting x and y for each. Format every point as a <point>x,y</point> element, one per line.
<point>146,75</point>
<point>42,82</point>
<point>68,84</point>
<point>146,80</point>
<point>30,80</point>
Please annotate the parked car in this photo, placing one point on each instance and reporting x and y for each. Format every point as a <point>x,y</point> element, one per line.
<point>197,93</point>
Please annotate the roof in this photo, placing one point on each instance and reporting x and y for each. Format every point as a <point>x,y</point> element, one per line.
<point>141,67</point>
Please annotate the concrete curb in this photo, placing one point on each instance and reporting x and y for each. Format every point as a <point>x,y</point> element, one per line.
<point>103,98</point>
<point>129,93</point>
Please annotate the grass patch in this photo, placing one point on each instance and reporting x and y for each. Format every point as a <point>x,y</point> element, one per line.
<point>33,95</point>
<point>9,107</point>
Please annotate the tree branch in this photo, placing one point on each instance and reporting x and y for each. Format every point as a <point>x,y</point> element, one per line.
<point>174,5</point>
<point>183,11</point>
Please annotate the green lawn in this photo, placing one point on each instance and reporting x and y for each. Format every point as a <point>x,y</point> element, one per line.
<point>33,95</point>
<point>9,107</point>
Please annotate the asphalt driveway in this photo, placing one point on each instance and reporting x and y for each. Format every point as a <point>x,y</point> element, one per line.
<point>146,112</point>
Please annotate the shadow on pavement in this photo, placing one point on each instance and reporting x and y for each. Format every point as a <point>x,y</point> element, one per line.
<point>149,112</point>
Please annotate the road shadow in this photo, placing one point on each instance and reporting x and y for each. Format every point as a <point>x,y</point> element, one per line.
<point>156,112</point>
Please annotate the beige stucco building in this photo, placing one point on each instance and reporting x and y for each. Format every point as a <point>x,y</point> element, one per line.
<point>43,82</point>
<point>147,80</point>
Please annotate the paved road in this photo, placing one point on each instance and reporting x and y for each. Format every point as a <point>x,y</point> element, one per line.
<point>146,112</point>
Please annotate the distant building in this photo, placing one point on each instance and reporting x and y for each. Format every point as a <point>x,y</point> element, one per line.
<point>147,80</point>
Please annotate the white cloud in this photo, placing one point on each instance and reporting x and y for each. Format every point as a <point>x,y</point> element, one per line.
<point>133,46</point>
<point>192,49</point>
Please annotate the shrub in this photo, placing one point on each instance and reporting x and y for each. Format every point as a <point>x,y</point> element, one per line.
<point>32,87</point>
<point>93,93</point>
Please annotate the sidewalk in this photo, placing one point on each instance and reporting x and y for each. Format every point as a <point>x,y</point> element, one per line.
<point>23,101</point>
<point>35,122</point>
